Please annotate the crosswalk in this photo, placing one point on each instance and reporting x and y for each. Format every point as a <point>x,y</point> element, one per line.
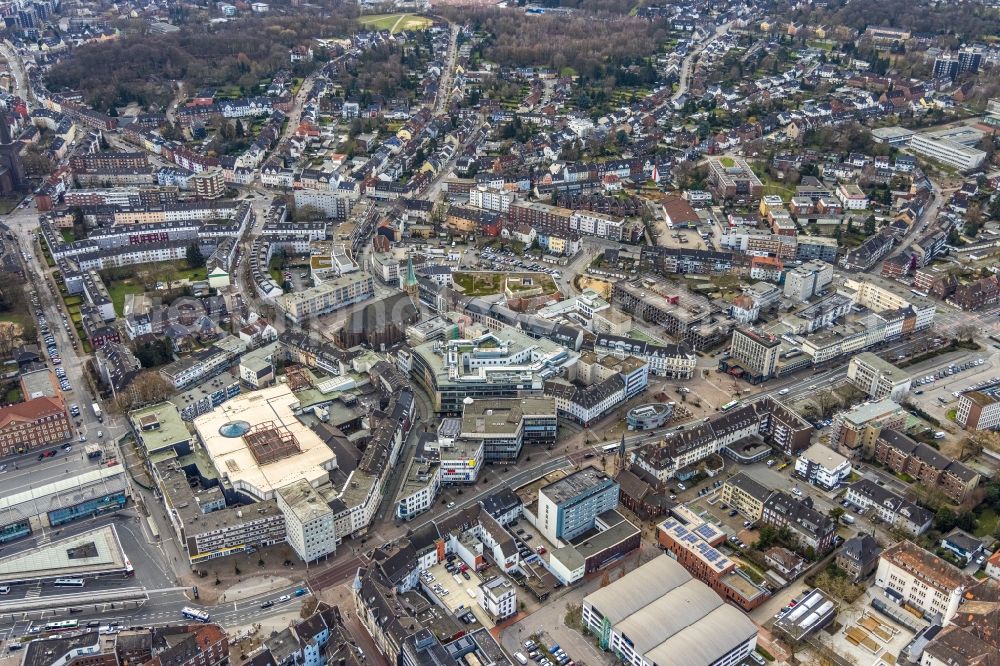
<point>33,593</point>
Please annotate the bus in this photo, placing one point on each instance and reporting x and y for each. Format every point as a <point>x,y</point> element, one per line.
<point>919,293</point>
<point>729,405</point>
<point>194,614</point>
<point>69,582</point>
<point>611,448</point>
<point>62,625</point>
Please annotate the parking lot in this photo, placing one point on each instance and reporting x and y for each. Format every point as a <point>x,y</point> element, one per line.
<point>938,397</point>
<point>456,591</point>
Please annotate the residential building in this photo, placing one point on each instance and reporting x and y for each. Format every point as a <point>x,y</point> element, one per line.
<point>423,480</point>
<point>927,466</point>
<point>889,507</point>
<point>660,614</point>
<point>878,378</point>
<point>754,354</point>
<point>257,366</point>
<point>603,384</point>
<point>855,431</point>
<point>810,528</point>
<point>685,544</point>
<point>805,281</point>
<point>675,361</point>
<point>745,495</point>
<point>852,196</point>
<point>859,556</point>
<point>568,507</point>
<point>496,200</point>
<point>785,562</point>
<point>327,297</point>
<point>749,423</point>
<point>310,519</point>
<point>36,423</point>
<point>498,598</point>
<point>823,467</point>
<point>208,184</point>
<point>909,574</point>
<point>732,179</point>
<point>962,545</point>
<point>979,409</point>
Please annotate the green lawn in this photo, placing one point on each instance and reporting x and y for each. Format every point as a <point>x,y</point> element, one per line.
<point>395,22</point>
<point>192,274</point>
<point>119,289</point>
<point>13,318</point>
<point>986,523</point>
<point>480,284</point>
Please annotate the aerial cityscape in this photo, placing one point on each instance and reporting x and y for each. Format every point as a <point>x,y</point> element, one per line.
<point>470,333</point>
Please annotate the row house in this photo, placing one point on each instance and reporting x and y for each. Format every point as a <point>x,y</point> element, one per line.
<point>930,468</point>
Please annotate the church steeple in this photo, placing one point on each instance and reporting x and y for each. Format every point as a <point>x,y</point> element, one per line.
<point>410,281</point>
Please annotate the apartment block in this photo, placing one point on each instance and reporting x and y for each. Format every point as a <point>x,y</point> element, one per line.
<point>855,431</point>
<point>980,409</point>
<point>327,297</point>
<point>878,378</point>
<point>753,352</point>
<point>309,520</point>
<point>567,508</point>
<point>731,178</point>
<point>929,467</point>
<point>823,467</point>
<point>889,507</point>
<point>810,528</point>
<point>498,598</point>
<point>745,495</point>
<point>807,280</point>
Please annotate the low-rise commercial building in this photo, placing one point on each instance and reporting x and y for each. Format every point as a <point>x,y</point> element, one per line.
<point>660,614</point>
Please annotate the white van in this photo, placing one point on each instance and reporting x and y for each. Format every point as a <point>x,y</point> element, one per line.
<point>520,658</point>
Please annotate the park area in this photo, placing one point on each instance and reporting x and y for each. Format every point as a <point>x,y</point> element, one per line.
<point>485,283</point>
<point>395,22</point>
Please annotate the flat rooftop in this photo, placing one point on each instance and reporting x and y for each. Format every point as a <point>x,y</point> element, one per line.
<point>575,484</point>
<point>159,426</point>
<point>253,465</point>
<point>89,553</point>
